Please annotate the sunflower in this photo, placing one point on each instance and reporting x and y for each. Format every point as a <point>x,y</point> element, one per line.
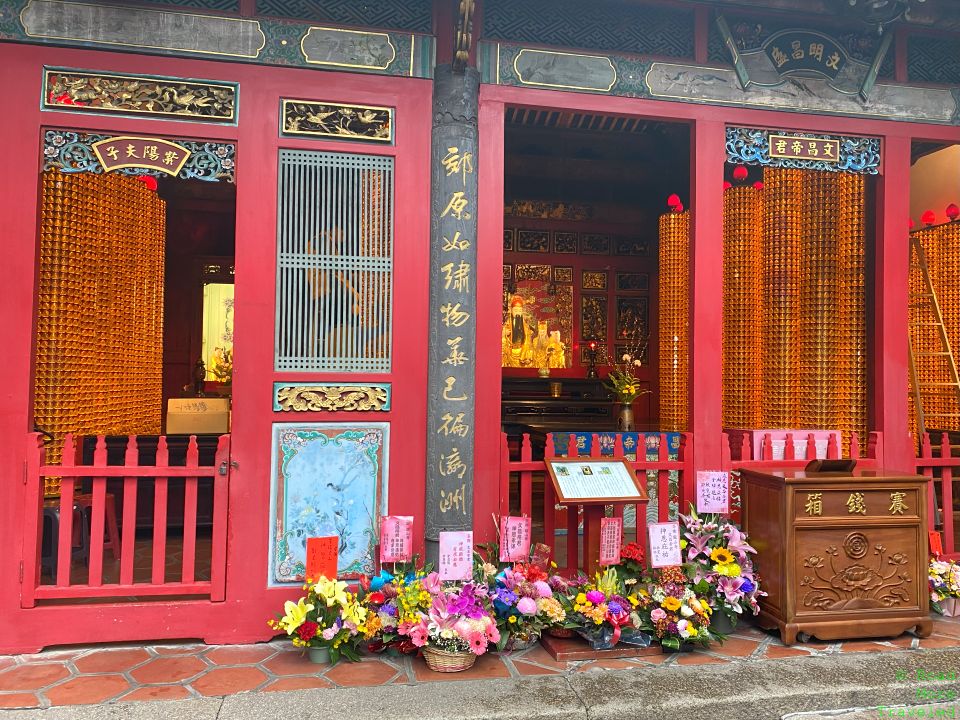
<point>671,604</point>
<point>721,556</point>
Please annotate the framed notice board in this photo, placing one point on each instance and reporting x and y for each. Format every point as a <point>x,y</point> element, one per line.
<point>581,481</point>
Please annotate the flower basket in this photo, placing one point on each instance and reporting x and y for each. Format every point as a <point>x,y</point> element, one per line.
<point>950,606</point>
<point>521,642</point>
<point>444,661</point>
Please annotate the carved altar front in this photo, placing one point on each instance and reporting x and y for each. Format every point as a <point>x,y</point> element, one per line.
<point>840,555</point>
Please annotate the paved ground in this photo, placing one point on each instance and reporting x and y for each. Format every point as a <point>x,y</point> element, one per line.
<point>752,676</point>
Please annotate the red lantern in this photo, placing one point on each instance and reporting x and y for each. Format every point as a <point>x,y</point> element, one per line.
<point>678,208</point>
<point>593,344</point>
<point>726,185</point>
<point>149,181</point>
<point>739,173</point>
<point>673,200</point>
<point>953,211</point>
<point>928,218</point>
<point>758,185</point>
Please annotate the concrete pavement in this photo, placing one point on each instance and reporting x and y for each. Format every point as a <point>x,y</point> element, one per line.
<point>760,691</point>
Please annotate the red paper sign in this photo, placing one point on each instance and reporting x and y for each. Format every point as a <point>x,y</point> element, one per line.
<point>514,539</point>
<point>936,543</point>
<point>713,492</point>
<point>664,544</point>
<point>456,555</point>
<point>611,538</point>
<point>541,556</point>
<point>322,554</point>
<point>396,538</point>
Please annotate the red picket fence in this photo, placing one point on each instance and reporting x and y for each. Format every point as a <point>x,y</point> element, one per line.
<point>937,463</point>
<point>81,519</point>
<point>526,467</point>
<point>790,461</point>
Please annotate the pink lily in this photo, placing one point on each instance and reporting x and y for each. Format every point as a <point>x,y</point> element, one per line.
<point>697,545</point>
<point>737,542</point>
<point>730,587</point>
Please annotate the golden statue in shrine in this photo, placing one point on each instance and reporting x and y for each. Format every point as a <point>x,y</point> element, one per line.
<point>517,345</point>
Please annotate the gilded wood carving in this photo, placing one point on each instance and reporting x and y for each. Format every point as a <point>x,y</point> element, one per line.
<point>316,398</point>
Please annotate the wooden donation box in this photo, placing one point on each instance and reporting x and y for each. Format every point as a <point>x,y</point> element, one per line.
<point>595,484</point>
<point>841,555</point>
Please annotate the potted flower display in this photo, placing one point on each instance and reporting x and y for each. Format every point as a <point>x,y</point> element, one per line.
<point>456,629</point>
<point>677,616</point>
<point>565,593</point>
<point>722,568</point>
<point>328,623</point>
<point>945,587</point>
<point>524,606</point>
<point>607,615</point>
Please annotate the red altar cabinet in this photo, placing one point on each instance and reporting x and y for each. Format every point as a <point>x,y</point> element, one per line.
<point>841,555</point>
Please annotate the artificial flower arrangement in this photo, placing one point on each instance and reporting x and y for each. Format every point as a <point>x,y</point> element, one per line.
<point>677,616</point>
<point>721,565</point>
<point>944,586</point>
<point>456,629</point>
<point>329,618</point>
<point>607,613</point>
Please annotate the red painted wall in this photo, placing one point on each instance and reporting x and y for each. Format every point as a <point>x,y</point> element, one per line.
<point>248,603</point>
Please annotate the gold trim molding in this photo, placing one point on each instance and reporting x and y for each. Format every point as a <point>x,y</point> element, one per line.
<point>331,398</point>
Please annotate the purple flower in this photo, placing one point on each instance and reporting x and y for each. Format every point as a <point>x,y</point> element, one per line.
<point>614,607</point>
<point>596,597</point>
<point>672,628</point>
<point>543,589</point>
<point>389,609</point>
<point>528,606</point>
<point>559,584</point>
<point>748,587</point>
<point>507,597</point>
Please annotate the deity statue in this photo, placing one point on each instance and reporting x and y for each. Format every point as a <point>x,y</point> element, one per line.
<point>517,340</point>
<point>556,351</point>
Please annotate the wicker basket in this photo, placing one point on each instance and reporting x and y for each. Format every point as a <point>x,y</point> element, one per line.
<point>443,661</point>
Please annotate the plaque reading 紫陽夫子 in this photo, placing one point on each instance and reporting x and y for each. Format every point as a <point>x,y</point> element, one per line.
<point>584,481</point>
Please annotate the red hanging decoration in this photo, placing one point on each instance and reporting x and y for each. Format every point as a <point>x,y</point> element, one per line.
<point>739,173</point>
<point>758,185</point>
<point>678,208</point>
<point>727,185</point>
<point>149,181</point>
<point>953,211</point>
<point>928,218</point>
<point>673,200</point>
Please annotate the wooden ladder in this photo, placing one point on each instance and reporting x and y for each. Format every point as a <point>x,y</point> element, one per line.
<point>921,300</point>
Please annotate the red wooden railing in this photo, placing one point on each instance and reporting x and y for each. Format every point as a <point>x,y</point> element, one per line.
<point>71,507</point>
<point>940,470</point>
<point>526,467</point>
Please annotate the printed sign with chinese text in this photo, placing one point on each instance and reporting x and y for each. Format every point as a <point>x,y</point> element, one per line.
<point>713,492</point>
<point>396,538</point>
<point>456,555</point>
<point>664,544</point>
<point>611,538</point>
<point>586,480</point>
<point>514,539</point>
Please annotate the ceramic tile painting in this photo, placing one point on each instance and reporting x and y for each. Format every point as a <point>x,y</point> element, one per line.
<point>327,479</point>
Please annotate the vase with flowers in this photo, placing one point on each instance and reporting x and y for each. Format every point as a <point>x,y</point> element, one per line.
<point>622,380</point>
<point>328,623</point>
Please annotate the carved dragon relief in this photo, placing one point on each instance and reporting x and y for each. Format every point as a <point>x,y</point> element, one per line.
<point>315,398</point>
<point>858,585</point>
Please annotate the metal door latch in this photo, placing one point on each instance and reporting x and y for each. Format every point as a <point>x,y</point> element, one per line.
<point>223,469</point>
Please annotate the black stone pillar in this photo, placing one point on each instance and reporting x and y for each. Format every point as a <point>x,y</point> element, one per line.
<point>453,304</point>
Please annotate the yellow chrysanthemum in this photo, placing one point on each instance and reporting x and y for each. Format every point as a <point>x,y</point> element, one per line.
<point>721,556</point>
<point>671,604</point>
<point>581,599</point>
<point>729,569</point>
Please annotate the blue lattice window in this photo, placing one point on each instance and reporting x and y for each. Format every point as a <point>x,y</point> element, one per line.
<point>644,30</point>
<point>412,15</point>
<point>933,59</point>
<point>334,262</point>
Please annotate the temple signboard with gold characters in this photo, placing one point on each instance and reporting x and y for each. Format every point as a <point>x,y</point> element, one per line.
<point>141,152</point>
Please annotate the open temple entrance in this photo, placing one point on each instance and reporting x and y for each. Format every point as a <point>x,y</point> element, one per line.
<point>586,290</point>
<point>133,358</point>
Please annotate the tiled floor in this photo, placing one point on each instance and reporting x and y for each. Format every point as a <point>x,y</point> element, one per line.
<point>166,672</point>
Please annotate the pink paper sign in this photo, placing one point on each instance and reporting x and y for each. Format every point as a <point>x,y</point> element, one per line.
<point>456,555</point>
<point>713,492</point>
<point>611,538</point>
<point>664,544</point>
<point>396,538</point>
<point>514,539</point>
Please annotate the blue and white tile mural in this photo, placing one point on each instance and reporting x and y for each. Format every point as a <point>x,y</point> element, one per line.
<point>327,479</point>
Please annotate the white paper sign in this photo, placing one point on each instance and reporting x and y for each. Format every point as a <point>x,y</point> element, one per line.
<point>664,544</point>
<point>713,492</point>
<point>594,480</point>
